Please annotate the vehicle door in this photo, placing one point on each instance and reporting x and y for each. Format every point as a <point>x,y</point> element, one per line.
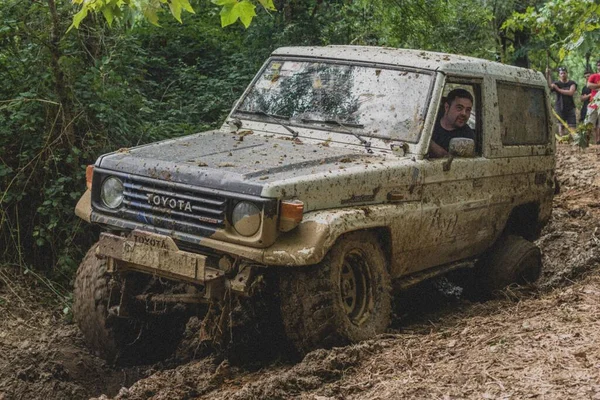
<point>455,202</point>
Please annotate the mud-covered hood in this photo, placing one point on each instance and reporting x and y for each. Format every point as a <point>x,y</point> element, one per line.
<point>243,163</point>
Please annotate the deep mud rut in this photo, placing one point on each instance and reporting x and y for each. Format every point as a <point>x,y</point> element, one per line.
<point>540,343</point>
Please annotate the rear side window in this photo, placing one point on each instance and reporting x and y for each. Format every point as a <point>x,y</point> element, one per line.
<point>523,114</point>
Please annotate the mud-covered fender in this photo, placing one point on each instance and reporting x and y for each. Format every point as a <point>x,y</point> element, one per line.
<point>83,209</point>
<point>318,231</point>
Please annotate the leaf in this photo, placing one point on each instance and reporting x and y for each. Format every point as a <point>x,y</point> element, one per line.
<point>268,5</point>
<point>151,15</point>
<point>247,13</point>
<point>5,170</point>
<point>227,15</point>
<point>185,4</point>
<point>80,16</point>
<point>175,7</point>
<point>108,15</point>
<point>232,11</point>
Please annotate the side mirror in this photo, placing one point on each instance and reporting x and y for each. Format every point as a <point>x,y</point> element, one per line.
<point>459,147</point>
<point>462,147</point>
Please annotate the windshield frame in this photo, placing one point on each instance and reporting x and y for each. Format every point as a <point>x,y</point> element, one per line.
<point>330,128</point>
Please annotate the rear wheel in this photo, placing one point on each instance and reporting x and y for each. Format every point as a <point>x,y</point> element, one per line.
<point>144,339</point>
<point>345,298</point>
<point>512,259</point>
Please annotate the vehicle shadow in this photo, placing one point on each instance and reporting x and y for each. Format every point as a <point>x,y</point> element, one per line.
<point>426,302</point>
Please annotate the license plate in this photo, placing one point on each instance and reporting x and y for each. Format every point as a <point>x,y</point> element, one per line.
<point>153,253</point>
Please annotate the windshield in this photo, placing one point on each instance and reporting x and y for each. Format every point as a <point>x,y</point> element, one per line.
<point>377,102</point>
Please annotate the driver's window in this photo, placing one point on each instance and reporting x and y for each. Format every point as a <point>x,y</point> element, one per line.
<point>458,116</point>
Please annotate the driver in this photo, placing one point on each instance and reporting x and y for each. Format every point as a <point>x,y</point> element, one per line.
<point>453,124</point>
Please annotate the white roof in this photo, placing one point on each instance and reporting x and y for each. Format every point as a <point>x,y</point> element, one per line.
<point>444,62</point>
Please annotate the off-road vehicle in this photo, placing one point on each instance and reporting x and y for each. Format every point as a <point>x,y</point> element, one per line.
<point>318,198</point>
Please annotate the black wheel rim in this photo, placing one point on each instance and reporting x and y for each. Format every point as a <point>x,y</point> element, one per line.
<point>355,287</point>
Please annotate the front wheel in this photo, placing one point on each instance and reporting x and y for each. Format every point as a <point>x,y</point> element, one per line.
<point>343,299</point>
<point>116,339</point>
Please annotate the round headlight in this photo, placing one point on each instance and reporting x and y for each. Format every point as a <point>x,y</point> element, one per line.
<point>112,192</point>
<point>246,218</point>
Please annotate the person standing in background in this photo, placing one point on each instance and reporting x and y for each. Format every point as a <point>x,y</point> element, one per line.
<point>591,117</point>
<point>585,96</point>
<point>565,105</point>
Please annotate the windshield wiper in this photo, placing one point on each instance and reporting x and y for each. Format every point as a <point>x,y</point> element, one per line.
<point>346,129</point>
<point>274,118</point>
<point>333,122</point>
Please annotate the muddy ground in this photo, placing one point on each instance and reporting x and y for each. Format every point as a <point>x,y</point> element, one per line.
<point>539,343</point>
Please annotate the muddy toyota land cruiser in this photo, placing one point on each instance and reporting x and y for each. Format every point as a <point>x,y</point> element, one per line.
<point>318,196</point>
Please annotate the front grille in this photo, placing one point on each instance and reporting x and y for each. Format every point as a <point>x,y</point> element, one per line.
<point>170,206</point>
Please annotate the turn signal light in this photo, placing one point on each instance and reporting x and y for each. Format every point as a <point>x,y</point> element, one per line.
<point>89,173</point>
<point>290,215</point>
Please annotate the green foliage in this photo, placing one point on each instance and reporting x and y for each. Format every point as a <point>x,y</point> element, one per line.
<point>561,26</point>
<point>582,135</point>
<point>115,9</point>
<point>123,88</point>
<point>231,11</point>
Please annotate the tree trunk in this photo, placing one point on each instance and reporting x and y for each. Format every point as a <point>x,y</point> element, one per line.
<point>521,39</point>
<point>60,85</point>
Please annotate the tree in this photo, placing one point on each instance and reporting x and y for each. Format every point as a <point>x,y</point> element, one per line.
<point>559,27</point>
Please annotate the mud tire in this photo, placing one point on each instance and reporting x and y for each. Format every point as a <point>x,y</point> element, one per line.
<point>319,307</point>
<point>118,340</point>
<point>512,259</point>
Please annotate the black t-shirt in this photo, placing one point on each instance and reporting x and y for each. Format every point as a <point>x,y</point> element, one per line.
<point>564,102</point>
<point>442,136</point>
<point>584,91</point>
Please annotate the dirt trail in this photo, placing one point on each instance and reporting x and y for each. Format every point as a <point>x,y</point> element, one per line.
<point>538,343</point>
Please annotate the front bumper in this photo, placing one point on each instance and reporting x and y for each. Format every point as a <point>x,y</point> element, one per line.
<point>155,254</point>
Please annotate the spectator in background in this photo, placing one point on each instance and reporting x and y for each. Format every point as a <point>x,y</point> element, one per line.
<point>591,117</point>
<point>585,96</point>
<point>565,105</point>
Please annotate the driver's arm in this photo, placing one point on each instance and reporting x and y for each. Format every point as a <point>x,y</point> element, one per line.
<point>436,151</point>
